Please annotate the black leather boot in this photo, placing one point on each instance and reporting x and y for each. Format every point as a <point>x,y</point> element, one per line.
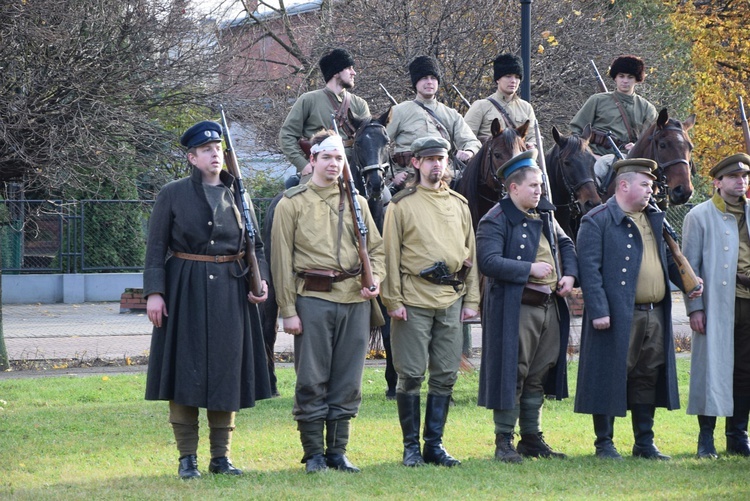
<point>409,414</point>
<point>504,449</point>
<point>311,436</point>
<point>643,430</point>
<point>188,467</point>
<point>434,423</point>
<point>533,445</point>
<point>604,428</point>
<point>337,438</point>
<point>736,428</point>
<point>223,466</point>
<point>706,448</point>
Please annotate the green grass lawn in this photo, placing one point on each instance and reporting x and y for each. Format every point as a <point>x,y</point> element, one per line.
<point>95,438</point>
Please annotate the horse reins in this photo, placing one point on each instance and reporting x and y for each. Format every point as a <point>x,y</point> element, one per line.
<point>364,170</point>
<point>661,176</point>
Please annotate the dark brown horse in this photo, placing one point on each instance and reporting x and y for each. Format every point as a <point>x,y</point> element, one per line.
<point>479,183</point>
<point>369,162</point>
<point>573,186</point>
<point>667,143</point>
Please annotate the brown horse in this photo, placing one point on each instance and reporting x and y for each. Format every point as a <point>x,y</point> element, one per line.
<point>667,143</point>
<point>573,186</point>
<point>479,183</point>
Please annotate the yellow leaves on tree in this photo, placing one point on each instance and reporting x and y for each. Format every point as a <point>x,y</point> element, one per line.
<point>720,57</point>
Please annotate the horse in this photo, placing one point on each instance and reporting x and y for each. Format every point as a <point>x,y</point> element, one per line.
<point>479,183</point>
<point>573,185</point>
<point>667,143</point>
<point>370,159</point>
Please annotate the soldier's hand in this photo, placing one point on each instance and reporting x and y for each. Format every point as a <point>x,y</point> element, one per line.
<point>464,155</point>
<point>697,292</point>
<point>601,323</point>
<point>293,325</point>
<point>398,313</point>
<point>565,285</point>
<point>368,294</point>
<point>467,313</point>
<point>156,309</point>
<point>540,269</point>
<point>698,321</point>
<point>259,299</point>
<point>399,179</point>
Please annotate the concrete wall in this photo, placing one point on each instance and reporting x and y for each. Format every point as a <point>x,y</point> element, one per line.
<point>68,288</point>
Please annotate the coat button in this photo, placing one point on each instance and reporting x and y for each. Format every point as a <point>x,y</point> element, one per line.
<point>726,232</point>
<point>630,235</point>
<point>725,218</point>
<point>726,266</point>
<point>518,258</point>
<point>210,223</point>
<point>629,246</point>
<point>624,270</point>
<point>622,283</point>
<point>724,282</point>
<point>627,258</point>
<point>523,246</point>
<point>211,277</point>
<point>212,242</point>
<point>524,225</point>
<point>524,235</point>
<point>629,225</point>
<point>726,248</point>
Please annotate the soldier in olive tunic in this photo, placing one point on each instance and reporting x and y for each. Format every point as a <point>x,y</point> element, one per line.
<point>410,121</point>
<point>312,111</point>
<point>602,111</point>
<point>313,231</point>
<point>425,224</point>
<point>505,104</point>
<point>207,345</point>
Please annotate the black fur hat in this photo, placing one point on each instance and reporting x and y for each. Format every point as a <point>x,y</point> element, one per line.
<point>507,64</point>
<point>335,61</point>
<point>632,65</point>
<point>422,66</point>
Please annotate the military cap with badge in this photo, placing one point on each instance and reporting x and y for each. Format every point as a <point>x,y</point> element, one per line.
<point>735,163</point>
<point>643,165</point>
<point>201,133</point>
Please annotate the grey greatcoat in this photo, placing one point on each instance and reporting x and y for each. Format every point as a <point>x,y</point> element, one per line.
<point>507,243</point>
<point>209,350</point>
<point>609,258</point>
<point>710,242</point>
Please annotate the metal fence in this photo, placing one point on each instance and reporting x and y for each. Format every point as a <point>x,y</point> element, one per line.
<point>81,236</point>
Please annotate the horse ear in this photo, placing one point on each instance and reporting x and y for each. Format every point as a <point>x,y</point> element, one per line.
<point>663,118</point>
<point>556,134</point>
<point>523,128</point>
<point>496,128</point>
<point>385,118</point>
<point>586,134</point>
<point>689,122</point>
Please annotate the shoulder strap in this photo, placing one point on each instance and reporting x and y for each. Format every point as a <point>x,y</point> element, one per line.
<point>633,138</point>
<point>341,112</point>
<point>403,194</point>
<point>502,111</point>
<point>440,127</point>
<point>296,190</point>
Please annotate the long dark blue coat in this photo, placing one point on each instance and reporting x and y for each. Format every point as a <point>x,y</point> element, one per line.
<point>209,351</point>
<point>609,258</point>
<point>507,243</point>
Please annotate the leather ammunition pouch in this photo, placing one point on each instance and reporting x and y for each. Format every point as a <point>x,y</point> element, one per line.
<point>536,294</point>
<point>599,138</point>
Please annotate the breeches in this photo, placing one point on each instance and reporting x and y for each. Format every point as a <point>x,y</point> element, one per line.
<point>645,355</point>
<point>329,358</point>
<point>429,339</point>
<point>538,347</point>
<point>741,378</point>
<point>188,415</point>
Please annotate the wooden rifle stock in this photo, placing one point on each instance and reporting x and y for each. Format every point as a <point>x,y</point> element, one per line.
<point>745,129</point>
<point>230,158</point>
<point>360,228</point>
<point>599,81</point>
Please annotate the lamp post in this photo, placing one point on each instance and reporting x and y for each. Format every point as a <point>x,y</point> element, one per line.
<point>526,49</point>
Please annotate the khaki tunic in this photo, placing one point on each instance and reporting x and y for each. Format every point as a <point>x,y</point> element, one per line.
<point>305,236</point>
<point>409,122</point>
<point>422,228</point>
<point>649,288</point>
<point>482,112</point>
<point>309,114</point>
<point>602,113</point>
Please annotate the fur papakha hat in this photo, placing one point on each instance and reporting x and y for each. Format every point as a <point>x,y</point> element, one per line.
<point>422,66</point>
<point>335,61</point>
<point>507,64</point>
<point>632,65</point>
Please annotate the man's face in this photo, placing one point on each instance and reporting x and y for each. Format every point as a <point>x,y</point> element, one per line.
<point>508,84</point>
<point>625,83</point>
<point>345,77</point>
<point>637,192</point>
<point>427,87</point>
<point>327,167</point>
<point>208,158</point>
<point>432,168</point>
<point>732,185</point>
<point>526,195</point>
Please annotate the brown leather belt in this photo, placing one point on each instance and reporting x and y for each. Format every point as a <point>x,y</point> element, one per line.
<point>336,276</point>
<point>208,259</point>
<point>646,306</point>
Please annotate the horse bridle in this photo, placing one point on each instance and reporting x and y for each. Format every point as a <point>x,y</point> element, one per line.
<point>573,206</point>
<point>661,168</point>
<point>364,170</point>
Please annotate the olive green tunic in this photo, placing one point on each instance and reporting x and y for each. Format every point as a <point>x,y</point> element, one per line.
<point>482,112</point>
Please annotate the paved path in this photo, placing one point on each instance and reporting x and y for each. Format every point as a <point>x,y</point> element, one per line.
<point>98,330</point>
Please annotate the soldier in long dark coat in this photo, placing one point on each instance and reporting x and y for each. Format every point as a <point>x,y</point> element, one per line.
<point>207,345</point>
<point>525,320</point>
<point>627,358</point>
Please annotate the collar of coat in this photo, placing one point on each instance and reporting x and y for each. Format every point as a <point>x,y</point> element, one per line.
<point>516,215</point>
<point>226,178</point>
<point>619,215</point>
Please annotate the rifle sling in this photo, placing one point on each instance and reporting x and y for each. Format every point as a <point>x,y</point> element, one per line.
<point>506,117</point>
<point>632,137</point>
<point>438,123</point>
<point>342,112</point>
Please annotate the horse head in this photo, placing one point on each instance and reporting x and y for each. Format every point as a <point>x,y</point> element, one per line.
<point>571,164</point>
<point>667,143</point>
<point>370,154</point>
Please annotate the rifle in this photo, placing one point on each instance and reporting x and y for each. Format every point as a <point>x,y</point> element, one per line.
<point>466,101</point>
<point>690,281</point>
<point>393,100</point>
<point>368,280</point>
<point>548,191</point>
<point>230,158</point>
<point>599,81</point>
<point>745,129</point>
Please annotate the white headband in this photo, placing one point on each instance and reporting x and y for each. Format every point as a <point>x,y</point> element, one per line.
<point>331,143</point>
